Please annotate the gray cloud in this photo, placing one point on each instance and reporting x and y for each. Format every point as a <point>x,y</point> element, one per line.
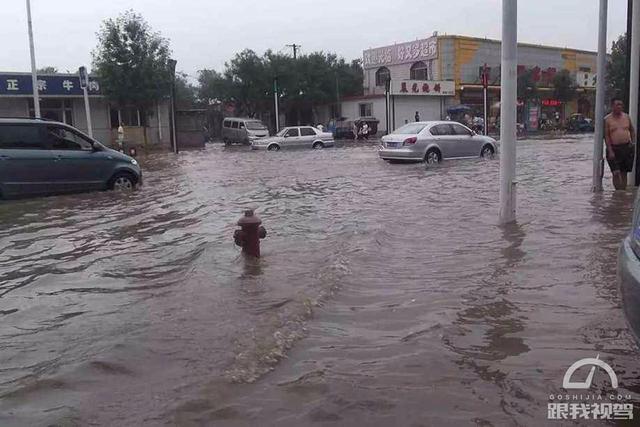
<point>204,34</point>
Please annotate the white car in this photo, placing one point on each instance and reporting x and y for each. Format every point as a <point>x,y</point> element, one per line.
<point>434,141</point>
<point>295,136</point>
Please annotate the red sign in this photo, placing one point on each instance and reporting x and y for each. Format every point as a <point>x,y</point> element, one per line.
<point>551,103</point>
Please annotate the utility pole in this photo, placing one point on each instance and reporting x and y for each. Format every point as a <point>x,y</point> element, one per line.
<point>508,111</point>
<point>275,100</point>
<point>485,99</point>
<point>34,76</point>
<point>172,69</point>
<point>295,48</point>
<point>598,162</point>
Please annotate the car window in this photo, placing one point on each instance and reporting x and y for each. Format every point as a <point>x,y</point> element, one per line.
<point>241,125</point>
<point>292,132</point>
<point>458,129</point>
<point>411,128</point>
<point>234,125</point>
<point>60,138</point>
<point>226,124</point>
<point>440,130</point>
<point>307,132</point>
<point>20,137</point>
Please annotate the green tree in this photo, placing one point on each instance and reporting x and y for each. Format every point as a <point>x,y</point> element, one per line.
<point>47,70</point>
<point>527,87</point>
<point>186,93</point>
<point>564,88</point>
<point>303,83</point>
<point>617,66</point>
<point>131,62</point>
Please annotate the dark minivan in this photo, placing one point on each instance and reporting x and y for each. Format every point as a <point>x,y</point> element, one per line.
<point>40,157</point>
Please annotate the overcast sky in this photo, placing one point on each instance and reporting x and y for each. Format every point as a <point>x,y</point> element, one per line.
<point>206,33</point>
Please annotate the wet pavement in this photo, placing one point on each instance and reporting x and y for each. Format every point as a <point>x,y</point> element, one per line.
<point>386,295</point>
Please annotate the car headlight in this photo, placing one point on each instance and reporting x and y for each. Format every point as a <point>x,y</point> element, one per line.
<point>134,162</point>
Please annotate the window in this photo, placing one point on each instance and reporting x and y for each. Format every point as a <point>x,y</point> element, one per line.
<point>307,132</point>
<point>411,128</point>
<point>128,116</point>
<point>226,124</point>
<point>419,71</point>
<point>291,132</point>
<point>60,110</point>
<point>366,110</point>
<point>585,69</point>
<point>440,130</point>
<point>241,125</point>
<point>60,138</point>
<point>20,137</point>
<point>234,125</point>
<point>458,129</point>
<point>382,75</point>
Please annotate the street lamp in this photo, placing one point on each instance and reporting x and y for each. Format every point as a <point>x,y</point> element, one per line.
<point>172,69</point>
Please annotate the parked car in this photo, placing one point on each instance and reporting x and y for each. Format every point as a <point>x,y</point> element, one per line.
<point>39,157</point>
<point>629,273</point>
<point>579,123</point>
<point>296,136</point>
<point>242,130</point>
<point>434,141</point>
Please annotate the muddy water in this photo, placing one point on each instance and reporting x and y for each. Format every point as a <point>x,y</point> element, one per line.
<point>386,294</point>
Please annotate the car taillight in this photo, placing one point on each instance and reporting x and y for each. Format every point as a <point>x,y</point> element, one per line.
<point>410,141</point>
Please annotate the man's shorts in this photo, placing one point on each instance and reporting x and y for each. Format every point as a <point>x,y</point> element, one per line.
<point>623,161</point>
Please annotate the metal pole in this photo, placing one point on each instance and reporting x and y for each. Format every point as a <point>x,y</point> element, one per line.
<point>634,77</point>
<point>598,164</point>
<point>34,76</point>
<point>87,109</point>
<point>485,106</point>
<point>508,111</point>
<point>275,100</point>
<point>173,117</point>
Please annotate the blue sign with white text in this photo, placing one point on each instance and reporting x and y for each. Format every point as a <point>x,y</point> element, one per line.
<point>62,85</point>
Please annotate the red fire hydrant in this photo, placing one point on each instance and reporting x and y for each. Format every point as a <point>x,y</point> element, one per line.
<point>250,233</point>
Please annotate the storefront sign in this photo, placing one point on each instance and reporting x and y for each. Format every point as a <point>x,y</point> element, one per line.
<point>419,50</point>
<point>61,85</point>
<point>585,79</point>
<point>422,87</point>
<point>551,103</point>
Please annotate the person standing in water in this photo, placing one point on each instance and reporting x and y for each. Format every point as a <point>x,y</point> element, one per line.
<point>619,136</point>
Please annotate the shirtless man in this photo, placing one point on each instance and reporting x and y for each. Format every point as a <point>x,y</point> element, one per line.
<point>619,135</point>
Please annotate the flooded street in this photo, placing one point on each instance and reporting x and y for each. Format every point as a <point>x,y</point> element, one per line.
<point>386,294</point>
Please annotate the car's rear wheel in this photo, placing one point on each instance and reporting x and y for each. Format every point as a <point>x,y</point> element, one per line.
<point>226,142</point>
<point>433,156</point>
<point>487,152</point>
<point>273,147</point>
<point>318,145</point>
<point>122,181</point>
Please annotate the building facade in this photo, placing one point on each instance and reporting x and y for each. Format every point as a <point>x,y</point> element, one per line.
<point>454,65</point>
<point>62,99</point>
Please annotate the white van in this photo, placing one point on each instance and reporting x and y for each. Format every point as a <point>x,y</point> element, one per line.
<point>242,131</point>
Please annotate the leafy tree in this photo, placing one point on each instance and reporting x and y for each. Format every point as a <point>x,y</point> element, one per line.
<point>303,83</point>
<point>527,87</point>
<point>47,70</point>
<point>564,88</point>
<point>617,66</point>
<point>186,93</point>
<point>131,61</point>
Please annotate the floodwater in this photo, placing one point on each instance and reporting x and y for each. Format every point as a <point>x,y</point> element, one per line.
<point>386,294</point>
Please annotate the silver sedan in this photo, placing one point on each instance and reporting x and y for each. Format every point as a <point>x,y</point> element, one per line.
<point>296,136</point>
<point>434,141</point>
